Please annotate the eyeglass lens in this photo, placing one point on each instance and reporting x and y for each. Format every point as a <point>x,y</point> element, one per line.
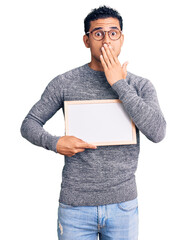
<point>114,34</point>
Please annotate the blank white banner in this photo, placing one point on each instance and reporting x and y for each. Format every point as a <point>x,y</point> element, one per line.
<point>100,122</point>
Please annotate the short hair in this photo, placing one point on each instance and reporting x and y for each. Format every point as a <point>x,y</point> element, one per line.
<point>101,12</point>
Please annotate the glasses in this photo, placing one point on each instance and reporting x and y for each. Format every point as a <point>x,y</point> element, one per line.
<point>98,35</point>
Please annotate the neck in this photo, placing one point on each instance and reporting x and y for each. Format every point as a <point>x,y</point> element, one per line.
<point>96,65</point>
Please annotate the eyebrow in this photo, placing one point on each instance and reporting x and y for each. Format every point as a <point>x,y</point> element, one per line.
<point>98,28</point>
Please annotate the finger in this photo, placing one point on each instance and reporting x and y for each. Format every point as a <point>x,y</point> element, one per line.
<point>126,63</point>
<point>86,145</point>
<point>104,54</point>
<point>124,66</point>
<point>103,62</point>
<point>91,146</point>
<point>115,58</point>
<point>80,141</point>
<point>83,149</point>
<point>109,54</point>
<point>80,150</point>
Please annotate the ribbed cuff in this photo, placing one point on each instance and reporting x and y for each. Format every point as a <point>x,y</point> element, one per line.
<point>54,143</point>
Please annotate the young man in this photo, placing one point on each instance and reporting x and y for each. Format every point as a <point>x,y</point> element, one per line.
<point>98,189</point>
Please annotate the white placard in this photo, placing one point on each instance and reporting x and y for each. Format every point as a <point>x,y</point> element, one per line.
<point>100,122</point>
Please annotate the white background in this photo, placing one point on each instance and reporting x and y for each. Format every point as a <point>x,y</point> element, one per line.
<point>41,39</point>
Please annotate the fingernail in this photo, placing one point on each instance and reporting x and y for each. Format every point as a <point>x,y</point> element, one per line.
<point>105,44</point>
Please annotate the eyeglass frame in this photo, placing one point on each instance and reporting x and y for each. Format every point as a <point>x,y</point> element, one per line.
<point>104,34</point>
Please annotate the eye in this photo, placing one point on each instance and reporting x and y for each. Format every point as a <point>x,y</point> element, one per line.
<point>99,34</point>
<point>113,33</point>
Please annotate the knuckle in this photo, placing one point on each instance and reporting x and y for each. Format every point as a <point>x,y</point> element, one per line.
<point>76,145</point>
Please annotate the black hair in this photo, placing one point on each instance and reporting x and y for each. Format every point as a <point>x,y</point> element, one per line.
<point>101,12</point>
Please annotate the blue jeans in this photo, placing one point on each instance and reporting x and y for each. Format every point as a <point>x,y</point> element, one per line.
<point>117,221</point>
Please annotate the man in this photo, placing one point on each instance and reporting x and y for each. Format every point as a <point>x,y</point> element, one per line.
<point>98,190</point>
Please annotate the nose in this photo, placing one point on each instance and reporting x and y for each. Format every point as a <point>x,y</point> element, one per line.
<point>106,38</point>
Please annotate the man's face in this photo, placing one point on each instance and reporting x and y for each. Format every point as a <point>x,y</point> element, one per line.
<point>105,24</point>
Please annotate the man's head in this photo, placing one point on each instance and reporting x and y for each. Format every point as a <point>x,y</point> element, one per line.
<point>101,12</point>
<point>96,25</point>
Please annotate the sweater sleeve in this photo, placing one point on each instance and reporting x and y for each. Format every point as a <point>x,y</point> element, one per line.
<point>143,108</point>
<point>32,126</point>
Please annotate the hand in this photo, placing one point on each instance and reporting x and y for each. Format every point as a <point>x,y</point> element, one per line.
<point>70,145</point>
<point>111,65</point>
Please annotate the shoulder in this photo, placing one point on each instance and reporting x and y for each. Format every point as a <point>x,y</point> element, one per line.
<point>65,78</point>
<point>136,79</point>
<point>138,82</point>
<point>73,73</point>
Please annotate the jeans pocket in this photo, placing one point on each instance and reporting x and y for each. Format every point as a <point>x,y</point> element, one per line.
<point>65,205</point>
<point>128,205</point>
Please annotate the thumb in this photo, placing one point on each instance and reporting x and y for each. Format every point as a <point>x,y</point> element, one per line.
<point>124,66</point>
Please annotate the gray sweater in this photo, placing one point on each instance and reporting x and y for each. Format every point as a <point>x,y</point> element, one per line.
<point>104,175</point>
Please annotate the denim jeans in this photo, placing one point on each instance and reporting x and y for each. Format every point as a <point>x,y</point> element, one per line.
<point>117,221</point>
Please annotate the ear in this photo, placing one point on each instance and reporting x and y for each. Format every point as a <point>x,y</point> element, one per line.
<point>86,41</point>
